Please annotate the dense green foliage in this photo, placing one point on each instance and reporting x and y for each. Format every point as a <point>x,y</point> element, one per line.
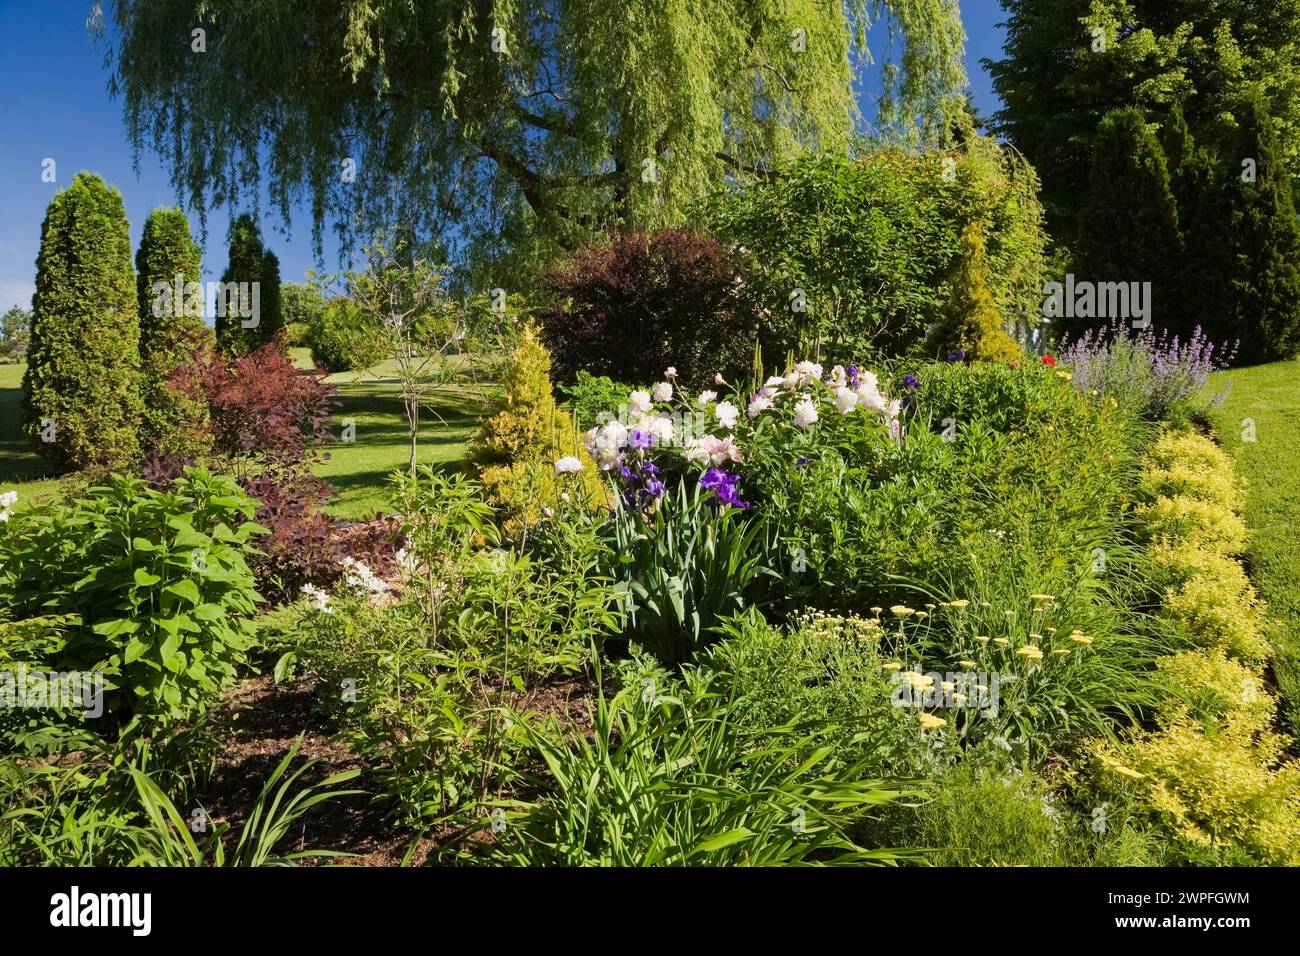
<point>530,124</point>
<point>1205,214</point>
<point>1068,63</point>
<point>251,316</point>
<point>342,338</point>
<point>81,390</point>
<point>148,588</point>
<point>849,257</point>
<point>171,322</point>
<point>1129,229</point>
<point>1249,220</point>
<point>301,304</point>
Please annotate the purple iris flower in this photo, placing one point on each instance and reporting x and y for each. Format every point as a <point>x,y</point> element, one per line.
<point>625,473</point>
<point>654,487</point>
<point>802,460</point>
<point>723,487</point>
<point>959,355</point>
<point>852,373</point>
<point>650,468</point>
<point>713,478</point>
<point>911,381</point>
<point>640,439</point>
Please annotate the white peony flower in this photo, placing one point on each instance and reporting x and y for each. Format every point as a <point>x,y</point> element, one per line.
<point>869,397</point>
<point>718,379</point>
<point>759,404</point>
<point>712,450</point>
<point>670,373</point>
<point>568,465</point>
<point>695,451</point>
<point>845,399</point>
<point>707,396</point>
<point>661,428</point>
<point>639,401</point>
<point>807,373</point>
<point>805,413</point>
<point>663,392</point>
<point>727,414</point>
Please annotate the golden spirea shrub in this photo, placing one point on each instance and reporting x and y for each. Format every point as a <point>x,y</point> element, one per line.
<point>1202,524</point>
<point>1213,773</point>
<point>1212,686</point>
<point>1220,788</point>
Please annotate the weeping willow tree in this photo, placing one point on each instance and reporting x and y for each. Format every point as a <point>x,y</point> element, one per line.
<point>531,124</point>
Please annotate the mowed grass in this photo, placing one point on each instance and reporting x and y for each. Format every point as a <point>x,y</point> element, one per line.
<point>1269,396</point>
<point>21,469</point>
<point>358,470</point>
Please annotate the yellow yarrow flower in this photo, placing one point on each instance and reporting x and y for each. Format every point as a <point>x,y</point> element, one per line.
<point>931,722</point>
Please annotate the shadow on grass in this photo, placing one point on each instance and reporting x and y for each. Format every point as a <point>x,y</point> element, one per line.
<point>17,460</point>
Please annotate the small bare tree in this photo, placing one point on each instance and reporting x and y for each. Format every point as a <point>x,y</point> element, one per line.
<point>404,298</point>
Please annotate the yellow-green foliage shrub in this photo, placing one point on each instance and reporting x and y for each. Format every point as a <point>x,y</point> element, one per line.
<point>1176,449</point>
<point>1212,686</point>
<point>515,450</point>
<point>1221,789</point>
<point>1219,612</point>
<point>1195,493</point>
<point>1213,773</point>
<point>1195,531</point>
<point>1202,524</point>
<point>972,321</point>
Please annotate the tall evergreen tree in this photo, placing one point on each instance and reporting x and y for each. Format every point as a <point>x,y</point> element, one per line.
<point>249,263</point>
<point>81,390</point>
<point>1066,63</point>
<point>1261,240</point>
<point>1129,228</point>
<point>171,319</point>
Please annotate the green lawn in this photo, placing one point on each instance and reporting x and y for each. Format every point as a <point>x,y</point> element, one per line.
<point>358,470</point>
<point>20,469</point>
<point>1270,396</point>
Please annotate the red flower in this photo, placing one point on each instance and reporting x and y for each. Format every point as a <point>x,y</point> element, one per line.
<point>1048,360</point>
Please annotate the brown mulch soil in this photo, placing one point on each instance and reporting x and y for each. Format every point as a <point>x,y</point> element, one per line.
<point>264,720</point>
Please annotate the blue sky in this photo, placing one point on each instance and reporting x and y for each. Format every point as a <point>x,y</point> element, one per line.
<point>56,105</point>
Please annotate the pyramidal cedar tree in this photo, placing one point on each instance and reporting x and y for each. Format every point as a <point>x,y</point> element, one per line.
<point>248,305</point>
<point>167,260</point>
<point>81,391</point>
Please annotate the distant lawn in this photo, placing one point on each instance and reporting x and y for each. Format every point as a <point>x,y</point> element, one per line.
<point>358,470</point>
<point>21,469</point>
<point>1270,395</point>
